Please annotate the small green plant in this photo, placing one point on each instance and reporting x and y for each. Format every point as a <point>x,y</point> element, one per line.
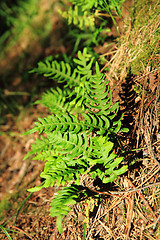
<point>79,133</point>
<point>83,19</point>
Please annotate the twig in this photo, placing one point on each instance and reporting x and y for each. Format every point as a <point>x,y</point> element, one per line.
<point>141,196</point>
<point>155,224</point>
<point>149,143</point>
<point>135,190</point>
<point>108,230</point>
<point>129,207</point>
<point>93,222</point>
<point>23,232</point>
<point>123,192</point>
<point>146,74</point>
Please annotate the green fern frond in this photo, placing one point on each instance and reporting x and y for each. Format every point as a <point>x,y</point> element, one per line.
<point>103,154</point>
<point>58,71</point>
<point>99,100</point>
<point>61,123</point>
<point>72,144</point>
<point>66,122</point>
<point>55,100</point>
<point>60,170</point>
<point>60,204</point>
<point>38,146</point>
<point>66,158</point>
<point>99,4</point>
<point>86,5</point>
<point>97,97</point>
<point>62,71</point>
<point>81,20</point>
<point>84,63</point>
<point>76,143</point>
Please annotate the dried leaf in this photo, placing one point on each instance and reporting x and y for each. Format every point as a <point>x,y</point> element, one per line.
<point>152,82</point>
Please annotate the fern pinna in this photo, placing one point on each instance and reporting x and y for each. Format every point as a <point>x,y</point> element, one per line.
<point>78,133</point>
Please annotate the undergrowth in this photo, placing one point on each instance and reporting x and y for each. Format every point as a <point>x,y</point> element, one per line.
<point>79,134</point>
<point>77,138</point>
<point>87,22</point>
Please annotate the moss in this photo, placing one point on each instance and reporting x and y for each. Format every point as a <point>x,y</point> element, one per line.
<point>5,205</point>
<point>9,203</point>
<point>144,37</point>
<point>142,12</point>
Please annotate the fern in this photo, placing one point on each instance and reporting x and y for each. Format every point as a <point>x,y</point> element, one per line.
<point>83,21</point>
<point>65,197</point>
<point>55,70</point>
<point>87,4</point>
<point>62,71</point>
<point>79,131</point>
<point>55,100</point>
<point>82,12</point>
<point>99,4</point>
<point>82,25</point>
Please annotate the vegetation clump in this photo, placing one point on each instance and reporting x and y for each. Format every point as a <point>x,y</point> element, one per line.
<point>80,132</point>
<point>73,147</point>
